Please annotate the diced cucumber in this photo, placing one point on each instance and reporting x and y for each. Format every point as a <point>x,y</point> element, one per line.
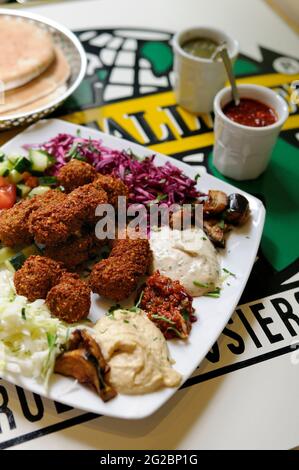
<point>14,176</point>
<point>47,180</point>
<point>13,159</point>
<point>38,191</point>
<point>5,168</point>
<point>22,164</point>
<point>6,254</point>
<point>40,160</point>
<point>23,190</point>
<point>16,262</point>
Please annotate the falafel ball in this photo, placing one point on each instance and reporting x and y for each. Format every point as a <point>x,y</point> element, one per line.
<point>52,226</point>
<point>69,300</point>
<point>75,250</point>
<point>74,174</point>
<point>113,186</point>
<point>117,276</point>
<point>14,222</point>
<point>37,276</point>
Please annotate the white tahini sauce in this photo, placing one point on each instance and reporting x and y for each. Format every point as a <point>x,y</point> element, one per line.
<point>187,256</point>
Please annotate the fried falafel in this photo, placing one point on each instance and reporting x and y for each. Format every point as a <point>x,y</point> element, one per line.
<point>37,276</point>
<point>75,250</point>
<point>113,186</point>
<point>117,276</point>
<point>53,226</point>
<point>74,174</point>
<point>14,222</point>
<point>69,300</point>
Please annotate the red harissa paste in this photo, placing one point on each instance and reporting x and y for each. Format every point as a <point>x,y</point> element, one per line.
<point>250,113</point>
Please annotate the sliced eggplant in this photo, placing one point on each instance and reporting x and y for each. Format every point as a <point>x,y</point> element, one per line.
<point>216,203</point>
<point>85,362</point>
<point>238,210</point>
<point>215,230</point>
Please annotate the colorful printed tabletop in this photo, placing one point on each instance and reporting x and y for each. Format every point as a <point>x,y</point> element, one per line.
<point>245,392</point>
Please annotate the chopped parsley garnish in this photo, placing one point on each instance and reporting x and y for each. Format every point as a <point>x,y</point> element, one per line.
<point>112,309</point>
<point>171,328</point>
<point>185,314</point>
<point>73,152</point>
<point>215,293</point>
<point>221,224</point>
<point>51,340</point>
<point>197,176</point>
<point>24,313</point>
<point>134,309</point>
<point>228,272</point>
<point>139,300</point>
<point>126,321</point>
<point>204,238</point>
<point>159,198</point>
<point>163,318</point>
<point>200,284</point>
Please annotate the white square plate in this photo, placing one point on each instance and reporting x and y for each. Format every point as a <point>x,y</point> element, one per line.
<point>213,314</point>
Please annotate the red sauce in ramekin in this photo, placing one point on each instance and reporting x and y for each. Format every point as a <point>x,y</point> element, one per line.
<point>250,113</point>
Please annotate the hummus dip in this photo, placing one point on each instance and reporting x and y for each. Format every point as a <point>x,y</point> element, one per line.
<point>188,256</point>
<point>136,352</point>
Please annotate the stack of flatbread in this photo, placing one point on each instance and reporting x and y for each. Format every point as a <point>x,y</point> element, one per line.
<point>33,70</point>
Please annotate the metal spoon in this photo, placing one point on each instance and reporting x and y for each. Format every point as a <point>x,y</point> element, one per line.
<point>222,50</point>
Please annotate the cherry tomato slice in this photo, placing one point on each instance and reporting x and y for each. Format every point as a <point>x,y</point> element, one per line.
<point>8,196</point>
<point>3,181</point>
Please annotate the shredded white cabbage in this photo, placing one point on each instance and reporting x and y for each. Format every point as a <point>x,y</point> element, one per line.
<point>30,339</point>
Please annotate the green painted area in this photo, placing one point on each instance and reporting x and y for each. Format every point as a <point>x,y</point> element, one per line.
<point>160,56</point>
<point>279,186</point>
<point>245,67</point>
<point>82,96</point>
<point>102,74</point>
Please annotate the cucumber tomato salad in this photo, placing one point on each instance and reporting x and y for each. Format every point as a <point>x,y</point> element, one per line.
<point>20,177</point>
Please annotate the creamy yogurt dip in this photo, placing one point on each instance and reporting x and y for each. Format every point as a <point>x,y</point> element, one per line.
<point>187,256</point>
<point>136,352</point>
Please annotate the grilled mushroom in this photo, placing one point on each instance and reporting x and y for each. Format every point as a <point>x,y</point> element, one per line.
<point>85,362</point>
<point>217,202</point>
<point>238,210</point>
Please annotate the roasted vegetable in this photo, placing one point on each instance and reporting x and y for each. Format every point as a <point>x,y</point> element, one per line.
<point>215,230</point>
<point>238,210</point>
<point>85,362</point>
<point>216,203</point>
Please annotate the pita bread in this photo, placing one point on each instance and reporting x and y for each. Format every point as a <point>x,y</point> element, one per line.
<point>41,102</point>
<point>26,51</point>
<point>42,86</point>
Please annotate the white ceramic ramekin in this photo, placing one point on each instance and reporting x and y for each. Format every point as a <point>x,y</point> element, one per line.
<point>243,152</point>
<point>197,80</point>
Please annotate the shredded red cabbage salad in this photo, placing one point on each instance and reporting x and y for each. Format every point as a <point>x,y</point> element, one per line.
<point>147,182</point>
